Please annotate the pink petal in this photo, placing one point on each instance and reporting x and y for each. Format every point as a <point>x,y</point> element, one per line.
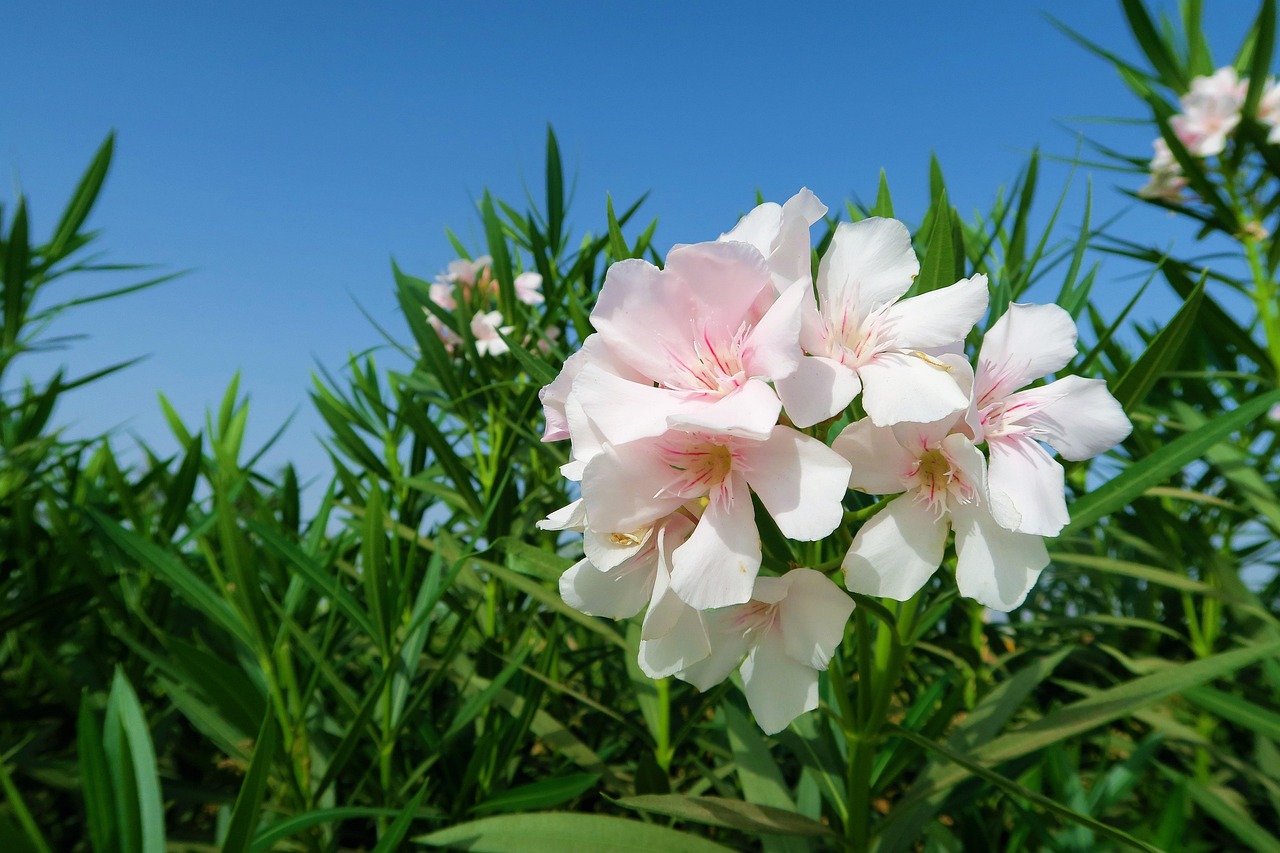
<point>799,480</point>
<point>624,487</point>
<point>1028,342</point>
<point>897,551</point>
<point>1031,481</point>
<point>750,411</point>
<point>620,409</point>
<point>772,348</point>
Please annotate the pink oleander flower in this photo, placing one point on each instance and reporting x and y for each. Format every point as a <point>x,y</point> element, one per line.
<point>781,234</point>
<point>706,334</point>
<point>485,326</point>
<point>799,480</point>
<point>1077,417</point>
<point>528,288</point>
<point>1166,180</point>
<point>782,638</point>
<point>942,479</point>
<point>555,395</point>
<point>862,336</point>
<point>1210,112</point>
<point>1269,110</point>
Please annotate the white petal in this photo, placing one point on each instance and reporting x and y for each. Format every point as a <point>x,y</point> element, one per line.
<point>665,608</point>
<point>760,227</point>
<point>1028,342</point>
<point>897,387</point>
<point>728,645</point>
<point>608,550</point>
<point>812,617</point>
<point>617,595</point>
<point>1082,420</point>
<point>800,481</point>
<point>820,388</point>
<point>880,463</point>
<point>778,688</point>
<point>750,411</point>
<point>996,567</point>
<point>719,562</point>
<point>896,551</point>
<point>772,348</point>
<point>571,517</point>
<point>1031,481</point>
<point>717,280</point>
<point>939,317</point>
<point>673,636</point>
<point>868,264</point>
<point>623,487</point>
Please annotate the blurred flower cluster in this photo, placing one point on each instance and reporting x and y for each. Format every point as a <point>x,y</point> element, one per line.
<point>1211,112</point>
<point>710,385</point>
<point>472,285</point>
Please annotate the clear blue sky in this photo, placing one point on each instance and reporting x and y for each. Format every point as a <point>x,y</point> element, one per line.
<point>284,152</point>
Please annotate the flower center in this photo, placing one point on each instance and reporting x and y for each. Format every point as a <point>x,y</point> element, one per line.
<point>700,465</point>
<point>756,617</point>
<point>716,364</point>
<point>937,480</point>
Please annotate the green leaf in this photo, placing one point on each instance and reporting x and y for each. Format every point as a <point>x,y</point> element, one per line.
<point>95,781</point>
<point>555,833</point>
<point>1264,30</point>
<point>758,773</point>
<point>268,836</point>
<point>617,242</point>
<point>734,814</point>
<point>132,760</point>
<point>539,795</point>
<point>248,807</point>
<point>939,267</point>
<point>1154,469</point>
<point>1238,710</point>
<point>1011,787</point>
<point>1243,827</point>
<point>1148,37</point>
<point>82,201</point>
<point>1161,355</point>
<point>555,193</point>
<point>501,254</point>
<point>22,813</point>
<point>884,203</point>
<point>390,840</point>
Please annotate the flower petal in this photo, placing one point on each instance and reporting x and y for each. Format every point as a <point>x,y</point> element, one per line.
<point>880,464</point>
<point>750,411</point>
<point>939,317</point>
<point>800,481</point>
<point>1031,481</point>
<point>868,264</point>
<point>778,688</point>
<point>1081,420</point>
<point>995,567</point>
<point>728,646</point>
<point>684,644</point>
<point>624,487</point>
<point>619,409</point>
<point>820,388</point>
<point>1026,343</point>
<point>772,348</point>
<point>616,595</point>
<point>897,551</point>
<point>719,562</point>
<point>812,617</point>
<point>898,387</point>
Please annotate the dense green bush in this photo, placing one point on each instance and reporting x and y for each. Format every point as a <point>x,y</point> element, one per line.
<point>190,661</point>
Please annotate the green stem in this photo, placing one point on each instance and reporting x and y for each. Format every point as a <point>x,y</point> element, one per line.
<point>1264,297</point>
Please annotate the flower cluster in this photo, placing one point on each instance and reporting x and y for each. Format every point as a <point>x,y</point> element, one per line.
<point>1211,111</point>
<point>473,284</point>
<point>689,406</point>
